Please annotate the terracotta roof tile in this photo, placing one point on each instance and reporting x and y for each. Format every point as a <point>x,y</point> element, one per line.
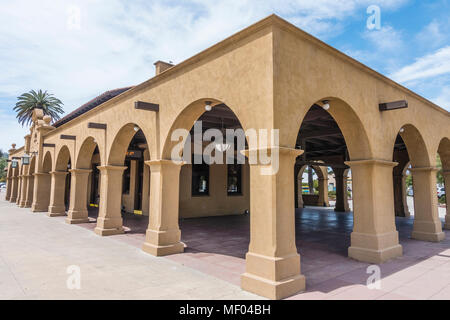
<point>90,105</point>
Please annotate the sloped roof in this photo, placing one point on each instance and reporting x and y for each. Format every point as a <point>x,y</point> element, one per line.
<point>90,105</point>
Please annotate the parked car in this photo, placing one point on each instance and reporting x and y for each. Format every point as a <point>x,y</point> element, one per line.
<point>441,192</point>
<point>2,185</point>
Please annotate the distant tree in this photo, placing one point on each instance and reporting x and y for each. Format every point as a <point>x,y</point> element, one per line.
<point>43,100</point>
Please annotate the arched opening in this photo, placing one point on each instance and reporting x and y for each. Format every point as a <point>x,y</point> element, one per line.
<point>30,183</point>
<point>60,184</point>
<point>443,179</point>
<point>411,154</point>
<point>42,185</point>
<point>214,189</point>
<point>312,187</point>
<point>326,152</point>
<point>125,180</point>
<point>85,182</point>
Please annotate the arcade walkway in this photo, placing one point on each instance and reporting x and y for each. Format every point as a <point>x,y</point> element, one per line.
<point>211,266</point>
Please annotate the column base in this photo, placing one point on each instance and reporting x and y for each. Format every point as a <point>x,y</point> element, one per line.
<point>163,243</point>
<point>22,204</point>
<point>108,232</point>
<point>428,231</point>
<point>27,205</point>
<point>77,217</point>
<point>12,200</point>
<point>273,277</point>
<point>273,289</point>
<point>374,248</point>
<point>77,221</point>
<point>159,251</point>
<point>37,208</point>
<point>54,211</point>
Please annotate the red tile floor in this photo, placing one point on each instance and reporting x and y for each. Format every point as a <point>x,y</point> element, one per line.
<point>217,246</point>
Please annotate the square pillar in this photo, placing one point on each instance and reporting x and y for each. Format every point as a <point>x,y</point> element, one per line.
<point>427,224</point>
<point>57,206</point>
<point>19,189</point>
<point>41,192</point>
<point>163,234</point>
<point>272,261</point>
<point>29,192</point>
<point>323,193</point>
<point>340,175</point>
<point>109,220</point>
<point>8,188</point>
<point>374,238</point>
<point>447,198</point>
<point>23,191</point>
<point>78,212</point>
<point>14,188</point>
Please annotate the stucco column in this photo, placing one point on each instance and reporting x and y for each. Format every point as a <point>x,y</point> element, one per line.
<point>19,189</point>
<point>323,192</point>
<point>41,192</point>
<point>109,220</point>
<point>23,191</point>
<point>57,206</point>
<point>427,225</point>
<point>341,190</point>
<point>14,188</point>
<point>29,191</point>
<point>374,238</point>
<point>8,188</point>
<point>163,234</point>
<point>272,261</point>
<point>78,212</point>
<point>447,198</point>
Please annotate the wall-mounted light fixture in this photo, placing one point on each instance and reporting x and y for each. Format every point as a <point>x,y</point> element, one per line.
<point>26,159</point>
<point>14,164</point>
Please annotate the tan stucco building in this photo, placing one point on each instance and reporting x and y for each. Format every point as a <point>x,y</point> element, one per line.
<point>115,151</point>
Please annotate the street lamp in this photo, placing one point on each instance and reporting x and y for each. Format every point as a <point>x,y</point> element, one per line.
<point>14,163</point>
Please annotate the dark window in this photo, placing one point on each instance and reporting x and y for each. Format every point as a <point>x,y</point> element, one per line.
<point>234,185</point>
<point>126,178</point>
<point>200,179</point>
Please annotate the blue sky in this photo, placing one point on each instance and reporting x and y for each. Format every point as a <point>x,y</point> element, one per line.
<point>79,49</point>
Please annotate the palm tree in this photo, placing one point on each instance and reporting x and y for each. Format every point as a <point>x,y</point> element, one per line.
<point>42,100</point>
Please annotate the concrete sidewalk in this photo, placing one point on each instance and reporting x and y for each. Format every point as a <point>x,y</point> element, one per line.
<point>35,252</point>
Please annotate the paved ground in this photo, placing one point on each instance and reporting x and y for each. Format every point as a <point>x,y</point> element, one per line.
<point>114,267</point>
<point>35,252</point>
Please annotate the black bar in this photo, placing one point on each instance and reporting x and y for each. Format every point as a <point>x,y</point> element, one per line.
<point>49,145</point>
<point>95,125</point>
<point>393,105</point>
<point>146,106</point>
<point>67,137</point>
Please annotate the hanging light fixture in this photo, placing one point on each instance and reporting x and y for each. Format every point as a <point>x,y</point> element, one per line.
<point>208,105</point>
<point>222,147</point>
<point>402,130</point>
<point>326,104</point>
<point>136,128</point>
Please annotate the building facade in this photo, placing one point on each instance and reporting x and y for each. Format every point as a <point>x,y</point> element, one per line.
<point>328,109</point>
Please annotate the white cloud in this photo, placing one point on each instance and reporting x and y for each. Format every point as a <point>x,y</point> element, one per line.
<point>118,41</point>
<point>385,39</point>
<point>432,35</point>
<point>443,99</point>
<point>431,65</point>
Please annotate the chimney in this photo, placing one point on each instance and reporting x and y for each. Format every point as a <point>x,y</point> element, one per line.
<point>162,66</point>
